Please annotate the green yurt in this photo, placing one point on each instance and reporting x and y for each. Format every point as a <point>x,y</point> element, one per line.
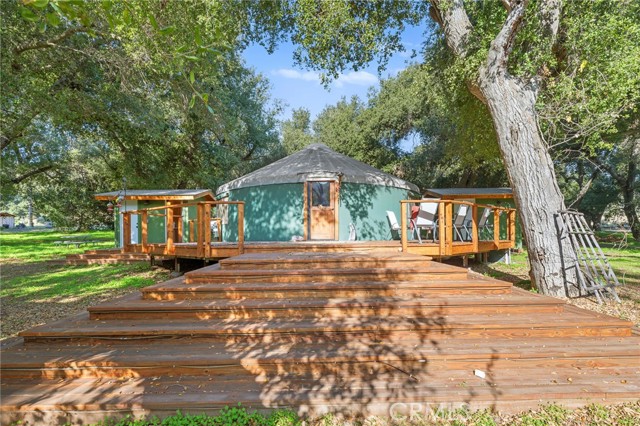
<point>315,194</point>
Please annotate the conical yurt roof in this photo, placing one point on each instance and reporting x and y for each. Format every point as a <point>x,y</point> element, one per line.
<point>316,161</point>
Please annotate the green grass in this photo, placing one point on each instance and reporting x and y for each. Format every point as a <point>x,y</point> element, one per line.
<point>36,246</point>
<point>546,415</point>
<point>623,253</point>
<point>43,281</point>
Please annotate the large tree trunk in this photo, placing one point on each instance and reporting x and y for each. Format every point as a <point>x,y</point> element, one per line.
<point>527,160</point>
<point>628,195</point>
<point>532,175</point>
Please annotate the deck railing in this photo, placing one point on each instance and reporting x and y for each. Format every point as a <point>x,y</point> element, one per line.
<point>174,228</point>
<point>476,241</point>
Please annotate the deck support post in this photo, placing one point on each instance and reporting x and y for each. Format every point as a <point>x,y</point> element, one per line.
<point>170,232</point>
<point>207,231</point>
<point>448,205</point>
<point>512,227</point>
<point>126,228</point>
<point>403,226</point>
<point>200,222</point>
<point>241,228</point>
<point>474,227</point>
<point>496,229</point>
<point>144,225</point>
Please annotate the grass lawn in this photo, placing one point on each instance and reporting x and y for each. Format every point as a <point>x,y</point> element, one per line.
<point>623,253</point>
<point>35,291</point>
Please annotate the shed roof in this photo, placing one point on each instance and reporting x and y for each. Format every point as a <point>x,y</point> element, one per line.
<point>456,193</point>
<point>316,161</point>
<point>5,214</point>
<point>157,194</point>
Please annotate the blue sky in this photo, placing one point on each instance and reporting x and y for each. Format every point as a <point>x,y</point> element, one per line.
<point>298,87</point>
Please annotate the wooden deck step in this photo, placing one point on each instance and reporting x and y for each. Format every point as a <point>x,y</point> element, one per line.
<point>134,307</point>
<point>433,270</point>
<point>44,400</point>
<point>297,260</point>
<point>178,290</point>
<point>571,322</point>
<point>211,357</point>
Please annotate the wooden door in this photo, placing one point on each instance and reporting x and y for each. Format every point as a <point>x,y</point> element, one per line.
<point>321,196</point>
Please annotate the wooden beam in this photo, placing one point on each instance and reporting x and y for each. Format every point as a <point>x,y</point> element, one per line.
<point>144,218</point>
<point>126,228</point>
<point>474,228</point>
<point>305,211</point>
<point>512,226</point>
<point>448,228</point>
<point>442,229</point>
<point>496,226</point>
<point>178,217</point>
<point>200,222</point>
<point>169,249</point>
<point>207,234</point>
<point>241,228</point>
<point>403,225</point>
<point>192,230</point>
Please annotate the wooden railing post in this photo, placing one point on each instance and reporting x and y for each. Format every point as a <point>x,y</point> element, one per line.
<point>144,217</point>
<point>403,226</point>
<point>192,231</point>
<point>442,227</point>
<point>207,234</point>
<point>449,228</point>
<point>201,229</point>
<point>179,238</point>
<point>169,249</point>
<point>496,227</point>
<point>512,227</point>
<point>474,227</point>
<point>240,228</point>
<point>126,228</point>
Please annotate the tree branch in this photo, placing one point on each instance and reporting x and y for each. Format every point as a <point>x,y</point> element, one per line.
<point>46,44</point>
<point>455,23</point>
<point>502,45</point>
<point>33,172</point>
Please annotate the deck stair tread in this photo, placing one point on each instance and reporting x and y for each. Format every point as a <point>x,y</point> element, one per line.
<point>135,303</point>
<point>212,352</point>
<point>436,324</point>
<point>371,395</point>
<point>321,260</point>
<point>184,285</point>
<point>343,331</point>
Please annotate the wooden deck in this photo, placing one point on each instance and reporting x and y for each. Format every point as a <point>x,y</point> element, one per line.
<point>502,234</point>
<point>344,332</point>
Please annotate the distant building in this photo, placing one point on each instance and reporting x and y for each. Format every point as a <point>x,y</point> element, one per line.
<point>7,220</point>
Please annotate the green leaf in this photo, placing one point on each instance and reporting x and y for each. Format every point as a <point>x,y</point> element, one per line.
<point>40,4</point>
<point>192,102</point>
<point>198,36</point>
<point>28,14</point>
<point>126,16</point>
<point>167,30</point>
<point>154,23</point>
<point>192,77</point>
<point>210,109</point>
<point>107,4</point>
<point>192,58</point>
<point>53,19</point>
<point>205,98</point>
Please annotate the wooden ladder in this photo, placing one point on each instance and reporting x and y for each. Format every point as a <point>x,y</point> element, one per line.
<point>594,271</point>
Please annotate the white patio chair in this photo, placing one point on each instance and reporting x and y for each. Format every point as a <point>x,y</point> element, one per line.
<point>482,223</point>
<point>395,226</point>
<point>427,219</point>
<point>462,216</point>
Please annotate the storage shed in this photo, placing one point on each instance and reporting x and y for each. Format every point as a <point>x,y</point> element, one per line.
<point>7,220</point>
<point>136,199</point>
<point>501,197</point>
<point>315,194</point>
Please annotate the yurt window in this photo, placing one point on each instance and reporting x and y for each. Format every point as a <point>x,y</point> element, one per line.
<point>321,194</point>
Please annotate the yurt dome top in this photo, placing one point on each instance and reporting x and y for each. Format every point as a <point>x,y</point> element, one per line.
<point>316,161</point>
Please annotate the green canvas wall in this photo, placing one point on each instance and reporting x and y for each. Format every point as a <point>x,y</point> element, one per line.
<point>272,213</point>
<point>366,207</point>
<point>275,212</point>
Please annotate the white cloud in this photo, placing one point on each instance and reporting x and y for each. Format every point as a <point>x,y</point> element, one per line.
<point>297,75</point>
<point>358,78</point>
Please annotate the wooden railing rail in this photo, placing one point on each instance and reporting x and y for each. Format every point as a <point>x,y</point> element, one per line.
<point>446,232</point>
<point>174,227</point>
